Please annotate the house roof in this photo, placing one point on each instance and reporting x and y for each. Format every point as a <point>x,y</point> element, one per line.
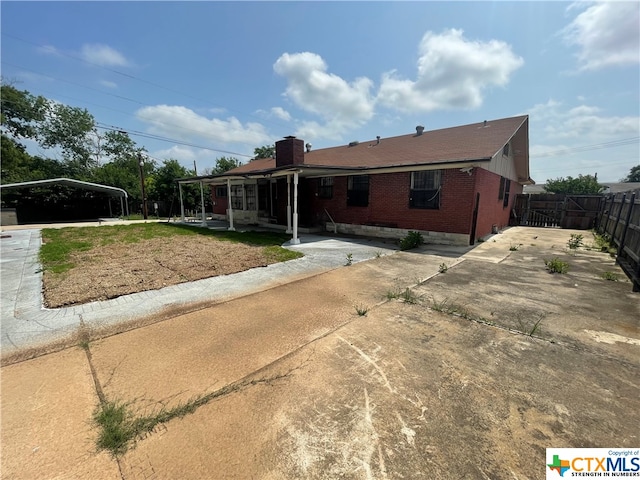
<point>476,142</point>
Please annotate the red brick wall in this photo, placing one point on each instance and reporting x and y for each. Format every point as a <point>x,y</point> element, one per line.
<point>491,211</point>
<point>389,203</point>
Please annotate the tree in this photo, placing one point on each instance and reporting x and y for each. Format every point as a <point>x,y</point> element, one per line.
<point>70,129</point>
<point>224,164</point>
<point>21,111</point>
<point>634,175</point>
<point>583,185</point>
<point>266,151</point>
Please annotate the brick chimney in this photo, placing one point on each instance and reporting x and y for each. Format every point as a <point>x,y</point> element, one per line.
<point>289,151</point>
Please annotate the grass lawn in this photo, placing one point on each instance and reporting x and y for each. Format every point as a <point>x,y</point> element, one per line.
<point>84,264</point>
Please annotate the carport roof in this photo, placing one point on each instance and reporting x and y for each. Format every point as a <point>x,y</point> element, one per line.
<point>69,182</point>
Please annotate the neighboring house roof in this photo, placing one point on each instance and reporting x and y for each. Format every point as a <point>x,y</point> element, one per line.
<point>113,191</point>
<point>476,142</point>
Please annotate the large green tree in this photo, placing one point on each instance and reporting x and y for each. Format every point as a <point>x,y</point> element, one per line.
<point>224,164</point>
<point>266,151</point>
<point>634,175</point>
<point>70,129</point>
<point>21,111</point>
<point>582,185</point>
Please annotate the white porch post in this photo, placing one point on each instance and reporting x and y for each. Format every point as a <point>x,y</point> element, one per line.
<point>229,207</point>
<point>181,204</point>
<point>204,220</point>
<point>295,240</point>
<point>288,204</point>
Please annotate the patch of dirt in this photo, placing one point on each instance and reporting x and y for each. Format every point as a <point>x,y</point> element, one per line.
<point>110,271</point>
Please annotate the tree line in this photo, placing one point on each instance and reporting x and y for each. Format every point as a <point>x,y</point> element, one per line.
<point>77,149</point>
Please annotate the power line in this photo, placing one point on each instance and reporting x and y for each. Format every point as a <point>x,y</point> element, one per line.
<point>165,139</point>
<point>587,148</point>
<point>173,125</point>
<point>133,77</point>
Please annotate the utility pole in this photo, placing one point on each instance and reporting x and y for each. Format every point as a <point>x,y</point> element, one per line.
<point>144,194</point>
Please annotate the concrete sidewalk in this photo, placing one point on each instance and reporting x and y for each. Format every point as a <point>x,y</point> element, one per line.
<point>26,323</point>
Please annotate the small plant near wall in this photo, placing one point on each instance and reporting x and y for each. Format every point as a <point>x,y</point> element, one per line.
<point>443,268</point>
<point>556,266</point>
<point>349,260</point>
<point>361,310</point>
<point>412,240</point>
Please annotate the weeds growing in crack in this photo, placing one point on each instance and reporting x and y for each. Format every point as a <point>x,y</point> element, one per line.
<point>362,310</point>
<point>119,426</point>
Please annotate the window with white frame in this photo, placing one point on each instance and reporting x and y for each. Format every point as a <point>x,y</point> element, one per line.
<point>425,189</point>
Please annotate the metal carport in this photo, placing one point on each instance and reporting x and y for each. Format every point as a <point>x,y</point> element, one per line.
<point>69,182</point>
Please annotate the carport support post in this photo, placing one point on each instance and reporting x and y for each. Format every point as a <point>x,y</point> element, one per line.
<point>288,204</point>
<point>229,207</point>
<point>204,219</point>
<point>181,203</point>
<point>295,240</point>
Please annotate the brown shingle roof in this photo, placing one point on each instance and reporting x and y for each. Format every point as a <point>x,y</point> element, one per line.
<point>476,141</point>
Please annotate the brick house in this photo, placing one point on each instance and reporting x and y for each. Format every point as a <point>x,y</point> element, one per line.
<point>454,185</point>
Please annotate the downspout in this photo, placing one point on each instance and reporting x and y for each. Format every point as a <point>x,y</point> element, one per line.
<point>288,204</point>
<point>295,240</point>
<point>229,206</point>
<point>181,203</point>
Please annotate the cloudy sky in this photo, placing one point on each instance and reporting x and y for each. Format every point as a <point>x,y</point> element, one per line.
<point>199,80</point>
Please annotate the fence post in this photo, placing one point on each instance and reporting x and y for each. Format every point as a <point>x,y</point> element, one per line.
<point>615,226</point>
<point>626,223</point>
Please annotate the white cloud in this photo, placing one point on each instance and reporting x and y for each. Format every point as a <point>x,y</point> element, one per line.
<point>280,113</point>
<point>275,112</point>
<point>103,55</point>
<point>453,72</point>
<point>48,50</point>
<point>585,123</point>
<point>608,34</point>
<point>108,84</point>
<point>180,122</point>
<point>342,105</point>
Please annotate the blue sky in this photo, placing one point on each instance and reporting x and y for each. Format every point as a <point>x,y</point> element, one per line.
<point>237,75</point>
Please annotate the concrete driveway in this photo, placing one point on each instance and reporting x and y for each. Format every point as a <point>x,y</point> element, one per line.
<point>384,369</point>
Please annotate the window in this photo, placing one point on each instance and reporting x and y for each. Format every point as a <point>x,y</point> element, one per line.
<point>251,194</point>
<point>325,187</point>
<point>236,197</point>
<point>358,191</point>
<point>507,187</point>
<point>503,191</point>
<point>221,192</point>
<point>425,189</point>
<point>505,150</point>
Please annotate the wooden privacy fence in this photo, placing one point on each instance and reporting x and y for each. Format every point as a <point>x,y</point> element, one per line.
<point>556,210</point>
<point>619,219</point>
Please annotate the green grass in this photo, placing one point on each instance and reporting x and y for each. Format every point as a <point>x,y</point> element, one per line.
<point>59,244</point>
<point>611,276</point>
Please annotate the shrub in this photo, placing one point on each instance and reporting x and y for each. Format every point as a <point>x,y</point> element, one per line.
<point>412,240</point>
<point>575,242</point>
<point>556,266</point>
